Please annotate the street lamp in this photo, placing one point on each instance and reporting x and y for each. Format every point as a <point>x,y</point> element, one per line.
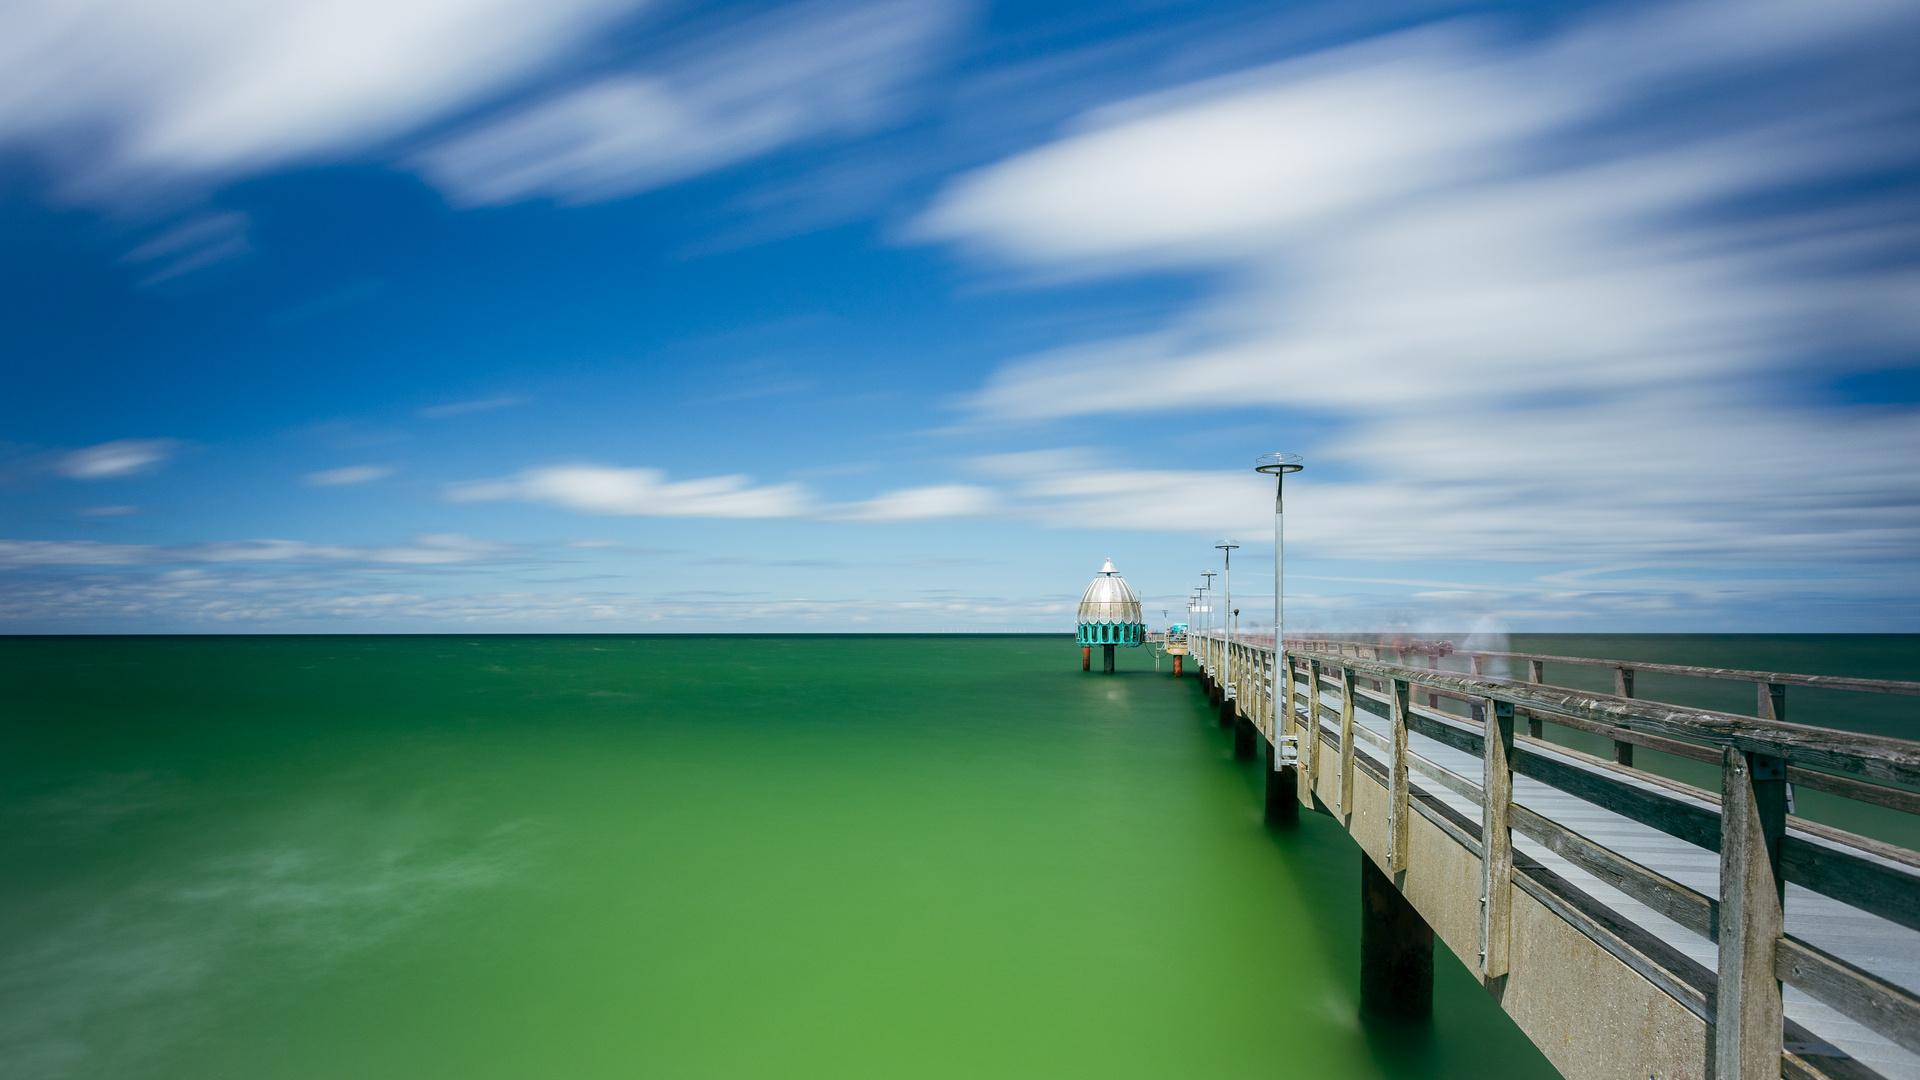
<point>1206,612</point>
<point>1194,625</point>
<point>1227,546</point>
<point>1278,465</point>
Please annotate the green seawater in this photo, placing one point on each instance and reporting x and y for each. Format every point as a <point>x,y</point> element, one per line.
<point>364,857</point>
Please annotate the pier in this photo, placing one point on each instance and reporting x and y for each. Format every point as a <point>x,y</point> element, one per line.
<point>1634,927</point>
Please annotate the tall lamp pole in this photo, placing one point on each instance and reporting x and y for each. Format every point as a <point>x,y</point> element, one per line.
<point>1278,465</point>
<point>1206,612</point>
<point>1226,624</point>
<point>1193,617</point>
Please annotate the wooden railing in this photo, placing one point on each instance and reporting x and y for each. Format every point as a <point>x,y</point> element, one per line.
<point>1761,846</point>
<point>1771,685</point>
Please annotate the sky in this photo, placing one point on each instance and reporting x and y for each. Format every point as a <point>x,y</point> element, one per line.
<point>902,315</point>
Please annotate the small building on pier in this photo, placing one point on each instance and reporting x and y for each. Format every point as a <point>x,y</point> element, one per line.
<point>1109,616</point>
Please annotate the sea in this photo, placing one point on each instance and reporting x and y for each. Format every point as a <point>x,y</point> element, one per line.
<point>710,856</point>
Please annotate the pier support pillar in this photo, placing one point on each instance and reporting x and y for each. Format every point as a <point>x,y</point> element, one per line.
<point>1227,713</point>
<point>1396,951</point>
<point>1283,798</point>
<point>1107,662</point>
<point>1086,658</point>
<point>1176,664</point>
<point>1243,739</point>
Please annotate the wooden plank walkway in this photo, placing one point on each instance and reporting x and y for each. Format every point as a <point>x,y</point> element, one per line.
<point>1625,858</point>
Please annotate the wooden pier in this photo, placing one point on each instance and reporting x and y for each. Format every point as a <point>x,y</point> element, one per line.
<point>1633,926</point>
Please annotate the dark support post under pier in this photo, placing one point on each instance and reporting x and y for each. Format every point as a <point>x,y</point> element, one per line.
<point>1108,662</point>
<point>1086,658</point>
<point>1176,664</point>
<point>1396,950</point>
<point>1227,713</point>
<point>1283,799</point>
<point>1244,738</point>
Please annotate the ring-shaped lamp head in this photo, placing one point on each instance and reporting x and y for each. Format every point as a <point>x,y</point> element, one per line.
<point>1279,463</point>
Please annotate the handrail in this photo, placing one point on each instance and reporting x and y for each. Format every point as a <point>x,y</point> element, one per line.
<point>1783,678</point>
<point>1880,756</point>
<point>1771,685</point>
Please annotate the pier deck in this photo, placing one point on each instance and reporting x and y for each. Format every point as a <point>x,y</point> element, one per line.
<point>1595,924</point>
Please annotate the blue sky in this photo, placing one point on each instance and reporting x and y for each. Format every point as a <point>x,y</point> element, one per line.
<point>603,315</point>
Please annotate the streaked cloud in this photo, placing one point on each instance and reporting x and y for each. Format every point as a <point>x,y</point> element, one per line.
<point>807,72</point>
<point>110,460</point>
<point>1059,488</point>
<point>424,551</point>
<point>601,489</point>
<point>199,242</point>
<point>1075,489</point>
<point>1560,297</point>
<point>351,474</point>
<point>935,503</point>
<point>213,596</point>
<point>234,596</point>
<point>110,511</point>
<point>126,95</point>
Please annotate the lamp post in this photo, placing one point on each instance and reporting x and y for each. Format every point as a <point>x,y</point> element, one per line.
<point>1278,465</point>
<point>1226,624</point>
<point>1206,621</point>
<point>1193,623</point>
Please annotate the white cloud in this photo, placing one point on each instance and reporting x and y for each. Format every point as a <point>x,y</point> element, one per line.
<point>810,71</point>
<point>127,92</point>
<point>1064,489</point>
<point>601,489</point>
<point>1067,489</point>
<point>1224,169</point>
<point>110,511</point>
<point>1549,290</point>
<point>431,550</point>
<point>941,501</point>
<point>122,457</point>
<point>351,474</point>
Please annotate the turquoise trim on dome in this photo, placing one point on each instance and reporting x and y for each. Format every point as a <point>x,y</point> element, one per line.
<point>1129,634</point>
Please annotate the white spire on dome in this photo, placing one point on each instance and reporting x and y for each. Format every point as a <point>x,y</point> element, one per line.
<point>1108,569</point>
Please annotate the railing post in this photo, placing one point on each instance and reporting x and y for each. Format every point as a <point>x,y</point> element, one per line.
<point>1496,837</point>
<point>1397,806</point>
<point>1622,687</point>
<point>1476,664</point>
<point>1346,743</point>
<point>1773,701</point>
<point>1286,673</point>
<point>1536,673</point>
<point>1747,1036</point>
<point>1310,753</point>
